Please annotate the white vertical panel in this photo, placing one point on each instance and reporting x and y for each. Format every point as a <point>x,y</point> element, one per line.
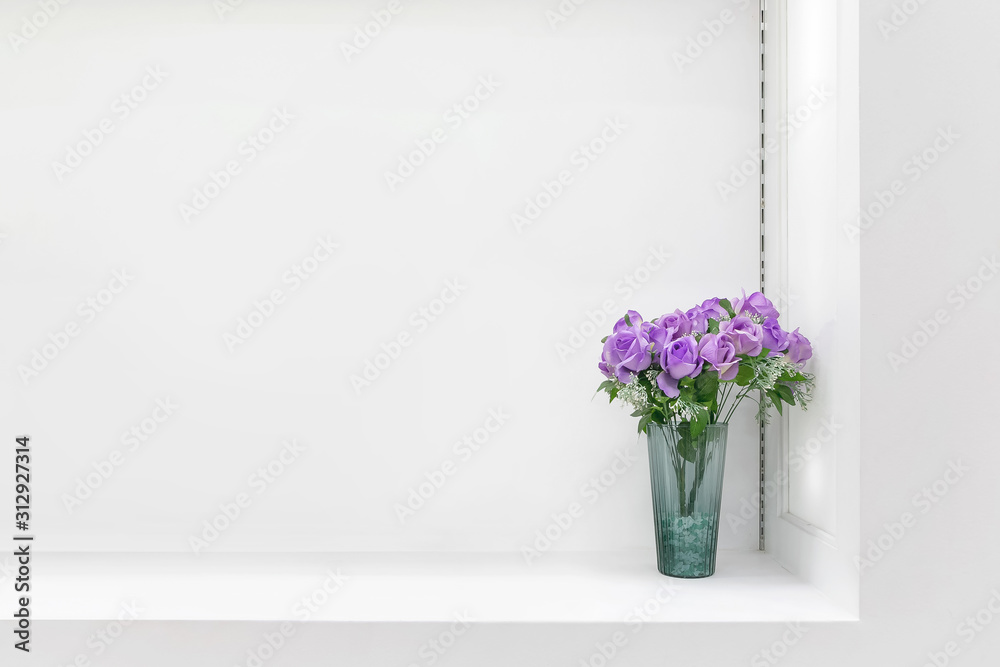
<point>812,251</point>
<point>813,456</point>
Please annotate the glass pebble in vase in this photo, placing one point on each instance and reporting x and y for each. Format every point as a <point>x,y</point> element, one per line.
<point>686,477</point>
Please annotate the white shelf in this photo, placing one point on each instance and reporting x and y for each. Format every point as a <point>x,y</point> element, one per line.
<point>581,587</point>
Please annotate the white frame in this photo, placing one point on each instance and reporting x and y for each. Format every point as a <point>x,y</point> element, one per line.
<point>824,558</point>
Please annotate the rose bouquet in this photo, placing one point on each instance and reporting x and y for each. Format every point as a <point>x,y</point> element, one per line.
<point>684,374</point>
<point>693,368</point>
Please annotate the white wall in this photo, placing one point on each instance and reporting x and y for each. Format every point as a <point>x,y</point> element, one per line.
<point>683,127</point>
<point>938,71</point>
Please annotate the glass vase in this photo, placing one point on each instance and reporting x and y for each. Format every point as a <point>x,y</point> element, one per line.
<point>686,477</point>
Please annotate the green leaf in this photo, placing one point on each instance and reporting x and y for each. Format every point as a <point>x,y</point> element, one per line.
<point>686,443</point>
<point>659,417</point>
<point>785,392</point>
<point>713,326</point>
<point>776,399</point>
<point>641,379</point>
<point>644,422</point>
<point>763,353</point>
<point>606,385</point>
<point>745,375</point>
<point>605,339</point>
<point>613,394</point>
<point>789,376</point>
<point>728,306</point>
<point>627,320</point>
<point>699,423</point>
<point>706,386</point>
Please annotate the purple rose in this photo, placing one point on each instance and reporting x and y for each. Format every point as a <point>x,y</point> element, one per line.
<point>634,317</point>
<point>680,359</point>
<point>720,352</point>
<point>661,336</point>
<point>713,309</point>
<point>775,339</point>
<point>627,352</point>
<point>604,368</point>
<point>668,385</point>
<point>700,315</point>
<point>747,336</point>
<point>698,320</point>
<point>799,348</point>
<point>755,304</point>
<point>677,321</point>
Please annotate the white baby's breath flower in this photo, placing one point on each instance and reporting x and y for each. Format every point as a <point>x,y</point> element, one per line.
<point>803,391</point>
<point>634,394</point>
<point>764,409</point>
<point>687,410</point>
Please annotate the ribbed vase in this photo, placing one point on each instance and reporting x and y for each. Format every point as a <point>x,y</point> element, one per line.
<point>686,478</point>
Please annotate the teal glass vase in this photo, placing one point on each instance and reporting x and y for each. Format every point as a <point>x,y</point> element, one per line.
<point>686,477</point>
